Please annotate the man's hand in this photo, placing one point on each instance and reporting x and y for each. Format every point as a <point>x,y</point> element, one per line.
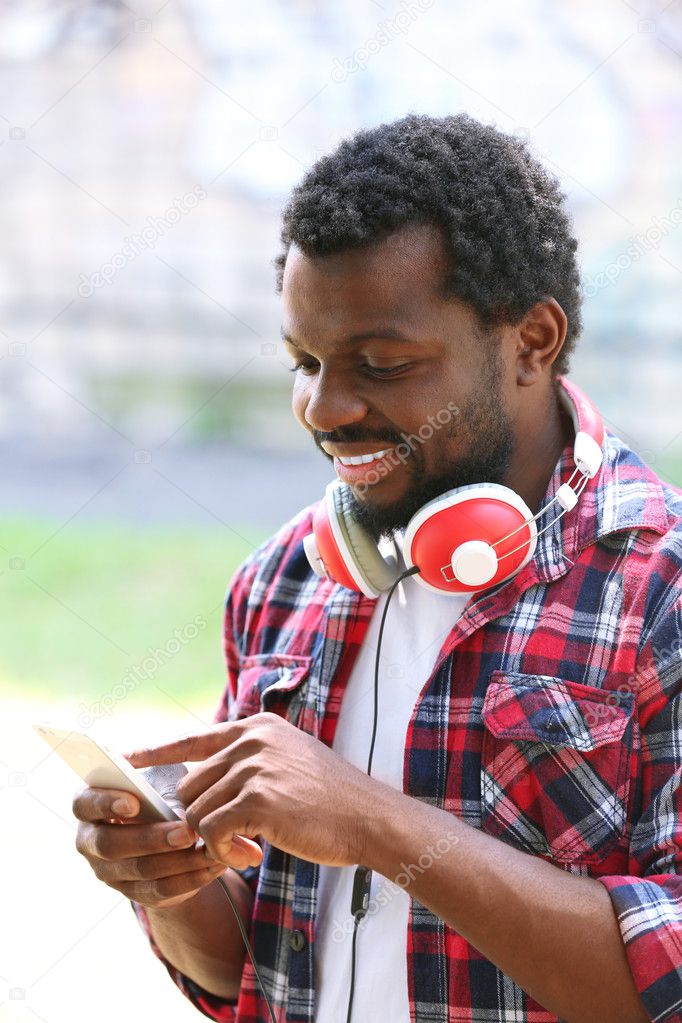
<point>137,859</point>
<point>263,776</point>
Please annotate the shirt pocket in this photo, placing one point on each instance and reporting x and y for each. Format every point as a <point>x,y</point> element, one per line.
<point>555,765</point>
<point>271,682</point>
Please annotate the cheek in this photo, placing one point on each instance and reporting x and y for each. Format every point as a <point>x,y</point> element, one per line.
<point>434,431</point>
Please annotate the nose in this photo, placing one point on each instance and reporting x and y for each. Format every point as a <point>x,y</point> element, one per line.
<point>327,402</point>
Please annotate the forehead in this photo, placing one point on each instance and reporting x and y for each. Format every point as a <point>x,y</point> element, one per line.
<point>399,278</point>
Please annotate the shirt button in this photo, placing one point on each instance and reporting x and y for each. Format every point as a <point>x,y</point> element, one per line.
<point>297,940</point>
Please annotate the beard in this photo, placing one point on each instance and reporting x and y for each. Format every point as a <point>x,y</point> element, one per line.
<point>484,419</point>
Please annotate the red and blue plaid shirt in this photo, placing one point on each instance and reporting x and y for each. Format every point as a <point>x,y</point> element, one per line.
<point>552,720</point>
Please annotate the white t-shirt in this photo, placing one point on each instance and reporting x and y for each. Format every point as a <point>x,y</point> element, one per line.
<point>417,624</point>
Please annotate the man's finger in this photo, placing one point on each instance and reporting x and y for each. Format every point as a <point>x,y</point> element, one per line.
<point>93,804</point>
<point>192,747</point>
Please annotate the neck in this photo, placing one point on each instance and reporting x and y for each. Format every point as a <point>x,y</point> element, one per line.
<point>541,436</point>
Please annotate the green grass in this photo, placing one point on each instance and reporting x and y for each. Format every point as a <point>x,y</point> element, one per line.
<point>83,611</point>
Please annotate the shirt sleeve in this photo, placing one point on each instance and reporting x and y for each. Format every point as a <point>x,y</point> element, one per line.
<point>648,900</point>
<point>213,1006</point>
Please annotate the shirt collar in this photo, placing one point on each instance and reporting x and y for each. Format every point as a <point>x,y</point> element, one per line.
<point>624,495</point>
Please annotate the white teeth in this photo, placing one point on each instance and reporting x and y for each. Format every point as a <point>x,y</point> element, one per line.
<point>363,459</point>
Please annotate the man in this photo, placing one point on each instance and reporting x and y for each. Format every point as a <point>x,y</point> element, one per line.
<point>429,264</point>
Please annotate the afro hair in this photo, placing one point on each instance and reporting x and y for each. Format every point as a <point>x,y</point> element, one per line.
<point>508,237</point>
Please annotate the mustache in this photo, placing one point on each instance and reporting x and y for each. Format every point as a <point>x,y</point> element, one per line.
<point>415,463</point>
<point>329,438</point>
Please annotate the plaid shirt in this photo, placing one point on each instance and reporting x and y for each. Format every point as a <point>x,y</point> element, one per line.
<point>551,720</point>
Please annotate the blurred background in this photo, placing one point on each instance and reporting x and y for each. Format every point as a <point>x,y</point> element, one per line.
<point>146,438</point>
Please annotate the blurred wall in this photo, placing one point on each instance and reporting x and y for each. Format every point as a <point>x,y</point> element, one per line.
<point>146,151</point>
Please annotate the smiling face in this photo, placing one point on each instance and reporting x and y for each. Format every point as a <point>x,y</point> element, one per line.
<point>387,364</point>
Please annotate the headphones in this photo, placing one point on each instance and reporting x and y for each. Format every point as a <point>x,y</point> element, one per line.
<point>463,541</point>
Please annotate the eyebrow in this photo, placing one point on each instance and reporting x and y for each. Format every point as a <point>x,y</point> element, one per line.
<point>388,333</point>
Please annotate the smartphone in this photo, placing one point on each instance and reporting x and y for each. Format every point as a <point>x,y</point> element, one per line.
<point>101,768</point>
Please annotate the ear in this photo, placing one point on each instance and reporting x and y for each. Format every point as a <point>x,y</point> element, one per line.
<point>540,337</point>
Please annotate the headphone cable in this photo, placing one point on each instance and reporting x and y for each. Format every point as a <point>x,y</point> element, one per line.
<point>221,882</point>
<point>363,875</point>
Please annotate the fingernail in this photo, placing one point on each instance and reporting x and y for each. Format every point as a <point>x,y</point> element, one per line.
<point>180,836</point>
<point>123,808</point>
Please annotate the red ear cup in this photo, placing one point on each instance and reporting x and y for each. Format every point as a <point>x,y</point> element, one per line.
<point>339,548</point>
<point>455,539</point>
<point>322,550</point>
